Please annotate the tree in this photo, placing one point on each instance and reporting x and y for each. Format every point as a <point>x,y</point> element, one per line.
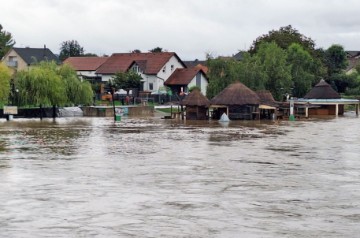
<point>135,51</point>
<point>336,60</point>
<point>69,49</point>
<point>126,81</point>
<point>77,92</point>
<point>278,71</point>
<point>284,37</point>
<point>221,73</point>
<point>6,42</point>
<point>156,50</point>
<point>5,76</point>
<point>48,84</point>
<point>302,69</point>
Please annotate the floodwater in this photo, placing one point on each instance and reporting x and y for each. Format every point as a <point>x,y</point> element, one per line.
<point>148,177</point>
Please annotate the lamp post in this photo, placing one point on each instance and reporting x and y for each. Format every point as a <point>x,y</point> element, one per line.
<point>113,101</point>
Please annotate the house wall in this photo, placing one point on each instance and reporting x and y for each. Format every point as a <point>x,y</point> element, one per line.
<point>200,81</point>
<point>86,73</point>
<point>166,71</point>
<point>157,80</point>
<point>21,64</point>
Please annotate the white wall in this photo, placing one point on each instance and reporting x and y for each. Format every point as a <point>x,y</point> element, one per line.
<point>166,71</point>
<point>204,84</point>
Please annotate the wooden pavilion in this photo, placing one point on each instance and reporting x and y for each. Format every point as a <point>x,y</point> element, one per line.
<point>326,100</point>
<point>196,106</point>
<point>268,106</point>
<point>237,101</point>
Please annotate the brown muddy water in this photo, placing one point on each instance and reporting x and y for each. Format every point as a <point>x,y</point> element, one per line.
<point>148,177</point>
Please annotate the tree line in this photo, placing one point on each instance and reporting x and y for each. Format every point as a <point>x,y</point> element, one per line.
<point>284,62</point>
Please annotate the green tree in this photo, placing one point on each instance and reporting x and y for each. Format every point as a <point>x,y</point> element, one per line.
<point>278,71</point>
<point>284,37</point>
<point>302,69</point>
<point>221,73</point>
<point>41,85</point>
<point>126,81</point>
<point>77,92</point>
<point>252,72</point>
<point>156,50</point>
<point>6,42</point>
<point>70,48</point>
<point>48,84</point>
<point>336,60</point>
<point>5,76</point>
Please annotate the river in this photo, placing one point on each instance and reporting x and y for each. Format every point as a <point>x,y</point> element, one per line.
<point>149,177</point>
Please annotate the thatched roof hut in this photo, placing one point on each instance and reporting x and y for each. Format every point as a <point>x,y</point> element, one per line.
<point>236,94</point>
<point>266,98</point>
<point>322,90</point>
<point>237,101</point>
<point>196,98</point>
<point>196,105</point>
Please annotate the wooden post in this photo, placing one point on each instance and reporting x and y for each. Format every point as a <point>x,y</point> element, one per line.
<point>336,109</point>
<point>357,109</point>
<point>306,111</point>
<point>41,112</point>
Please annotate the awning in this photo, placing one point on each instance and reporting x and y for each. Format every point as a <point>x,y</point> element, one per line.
<point>267,107</point>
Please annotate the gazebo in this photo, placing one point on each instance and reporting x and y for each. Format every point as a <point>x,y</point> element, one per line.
<point>326,100</point>
<point>237,101</point>
<point>196,105</point>
<point>268,105</point>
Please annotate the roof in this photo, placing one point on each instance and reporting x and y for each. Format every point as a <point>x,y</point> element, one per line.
<point>322,90</point>
<point>236,94</point>
<point>196,98</point>
<point>193,63</point>
<point>85,63</point>
<point>34,55</point>
<point>266,98</point>
<point>183,76</point>
<point>352,53</point>
<point>121,62</point>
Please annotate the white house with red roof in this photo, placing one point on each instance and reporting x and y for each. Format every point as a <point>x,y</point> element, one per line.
<point>86,66</point>
<point>183,79</point>
<point>154,68</point>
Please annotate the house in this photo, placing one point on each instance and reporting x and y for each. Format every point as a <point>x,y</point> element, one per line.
<point>154,68</point>
<point>196,105</point>
<point>23,58</point>
<point>237,101</point>
<point>353,58</point>
<point>181,80</point>
<point>86,66</point>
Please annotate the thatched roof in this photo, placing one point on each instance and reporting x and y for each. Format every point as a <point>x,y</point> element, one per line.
<point>236,94</point>
<point>322,90</point>
<point>266,98</point>
<point>196,98</point>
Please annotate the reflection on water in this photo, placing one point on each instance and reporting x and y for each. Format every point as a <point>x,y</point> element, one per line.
<point>147,177</point>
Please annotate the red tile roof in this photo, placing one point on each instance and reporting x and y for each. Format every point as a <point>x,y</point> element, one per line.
<point>183,76</point>
<point>85,63</point>
<point>151,62</point>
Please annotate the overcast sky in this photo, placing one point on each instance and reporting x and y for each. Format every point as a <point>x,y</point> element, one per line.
<point>188,27</point>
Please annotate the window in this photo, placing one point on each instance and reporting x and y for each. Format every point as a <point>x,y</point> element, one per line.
<point>172,67</point>
<point>151,86</point>
<point>164,69</point>
<point>12,61</point>
<point>136,68</point>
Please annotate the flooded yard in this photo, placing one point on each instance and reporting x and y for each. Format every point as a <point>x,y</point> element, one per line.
<point>148,177</point>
